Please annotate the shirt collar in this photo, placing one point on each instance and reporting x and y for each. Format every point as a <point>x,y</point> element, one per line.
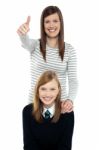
<point>51,110</point>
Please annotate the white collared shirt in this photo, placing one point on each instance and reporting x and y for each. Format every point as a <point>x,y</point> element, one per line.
<point>51,110</point>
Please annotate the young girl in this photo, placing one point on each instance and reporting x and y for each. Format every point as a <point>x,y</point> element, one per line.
<point>50,52</point>
<point>44,126</point>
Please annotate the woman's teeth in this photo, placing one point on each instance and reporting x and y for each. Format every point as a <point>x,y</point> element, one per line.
<point>52,30</point>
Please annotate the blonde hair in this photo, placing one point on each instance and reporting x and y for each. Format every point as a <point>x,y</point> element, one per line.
<point>46,77</point>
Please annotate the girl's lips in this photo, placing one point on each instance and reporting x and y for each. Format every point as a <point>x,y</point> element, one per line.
<point>47,98</point>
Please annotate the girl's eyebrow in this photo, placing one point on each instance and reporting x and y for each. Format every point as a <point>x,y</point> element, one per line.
<point>43,87</point>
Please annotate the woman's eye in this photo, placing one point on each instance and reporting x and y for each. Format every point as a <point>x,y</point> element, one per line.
<point>55,21</point>
<point>47,21</point>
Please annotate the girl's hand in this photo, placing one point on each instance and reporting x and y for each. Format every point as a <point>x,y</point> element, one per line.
<point>66,106</point>
<point>24,28</point>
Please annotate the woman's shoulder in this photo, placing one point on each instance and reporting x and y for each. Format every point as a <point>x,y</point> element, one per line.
<point>69,49</point>
<point>68,46</point>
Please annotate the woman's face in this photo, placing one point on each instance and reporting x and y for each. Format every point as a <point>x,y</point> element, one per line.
<point>52,25</point>
<point>48,93</point>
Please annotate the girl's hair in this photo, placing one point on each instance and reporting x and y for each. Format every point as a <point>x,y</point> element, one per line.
<point>46,12</point>
<point>46,77</point>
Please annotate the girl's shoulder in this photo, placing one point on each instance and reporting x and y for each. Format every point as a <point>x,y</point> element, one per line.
<point>28,109</point>
<point>67,116</point>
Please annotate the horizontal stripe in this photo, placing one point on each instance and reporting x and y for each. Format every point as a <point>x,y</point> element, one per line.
<point>65,69</point>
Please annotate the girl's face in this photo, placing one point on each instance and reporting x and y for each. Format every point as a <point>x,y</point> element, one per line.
<point>52,25</point>
<point>48,93</point>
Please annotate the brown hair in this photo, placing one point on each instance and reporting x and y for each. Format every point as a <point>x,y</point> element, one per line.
<point>46,77</point>
<point>46,12</point>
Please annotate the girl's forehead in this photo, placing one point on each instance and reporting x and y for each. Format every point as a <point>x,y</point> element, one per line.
<point>53,82</point>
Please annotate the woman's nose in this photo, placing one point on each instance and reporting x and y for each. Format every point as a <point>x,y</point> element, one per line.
<point>51,24</point>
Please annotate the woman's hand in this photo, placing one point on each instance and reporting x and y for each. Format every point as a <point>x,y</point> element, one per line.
<point>66,106</point>
<point>24,28</point>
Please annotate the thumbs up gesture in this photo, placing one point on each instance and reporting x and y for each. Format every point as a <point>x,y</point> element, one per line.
<point>24,28</point>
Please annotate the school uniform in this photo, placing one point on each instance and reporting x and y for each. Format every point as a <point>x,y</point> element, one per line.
<point>47,135</point>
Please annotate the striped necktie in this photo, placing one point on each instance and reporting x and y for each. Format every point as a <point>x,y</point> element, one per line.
<point>47,114</point>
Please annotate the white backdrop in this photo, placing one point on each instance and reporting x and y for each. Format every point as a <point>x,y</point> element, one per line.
<point>82,31</point>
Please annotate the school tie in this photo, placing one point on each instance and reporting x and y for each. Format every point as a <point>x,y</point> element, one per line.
<point>47,114</point>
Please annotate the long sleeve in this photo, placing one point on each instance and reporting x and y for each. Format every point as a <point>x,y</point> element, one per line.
<point>66,139</point>
<point>72,73</point>
<point>28,43</point>
<point>29,140</point>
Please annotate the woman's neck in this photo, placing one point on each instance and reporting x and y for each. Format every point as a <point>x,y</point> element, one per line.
<point>52,42</point>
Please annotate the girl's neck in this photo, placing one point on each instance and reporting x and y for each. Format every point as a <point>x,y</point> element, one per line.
<point>47,107</point>
<point>52,42</point>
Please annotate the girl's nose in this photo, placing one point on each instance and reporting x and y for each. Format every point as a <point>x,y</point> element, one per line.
<point>48,93</point>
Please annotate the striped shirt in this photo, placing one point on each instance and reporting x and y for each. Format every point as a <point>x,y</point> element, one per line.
<point>66,69</point>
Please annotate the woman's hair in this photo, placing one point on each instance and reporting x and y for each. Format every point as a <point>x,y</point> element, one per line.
<point>46,77</point>
<point>46,12</point>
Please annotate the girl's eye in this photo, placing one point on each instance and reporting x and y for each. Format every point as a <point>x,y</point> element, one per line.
<point>43,89</point>
<point>53,89</point>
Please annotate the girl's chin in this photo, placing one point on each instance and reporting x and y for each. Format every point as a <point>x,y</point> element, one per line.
<point>47,105</point>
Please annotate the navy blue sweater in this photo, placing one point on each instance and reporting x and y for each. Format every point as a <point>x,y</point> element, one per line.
<point>47,135</point>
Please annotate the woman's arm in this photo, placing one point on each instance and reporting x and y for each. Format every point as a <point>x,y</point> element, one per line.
<point>28,43</point>
<point>72,73</point>
<point>67,105</point>
<point>22,31</point>
<point>28,138</point>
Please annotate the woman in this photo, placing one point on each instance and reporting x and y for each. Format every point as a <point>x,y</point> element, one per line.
<point>44,127</point>
<point>50,52</point>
